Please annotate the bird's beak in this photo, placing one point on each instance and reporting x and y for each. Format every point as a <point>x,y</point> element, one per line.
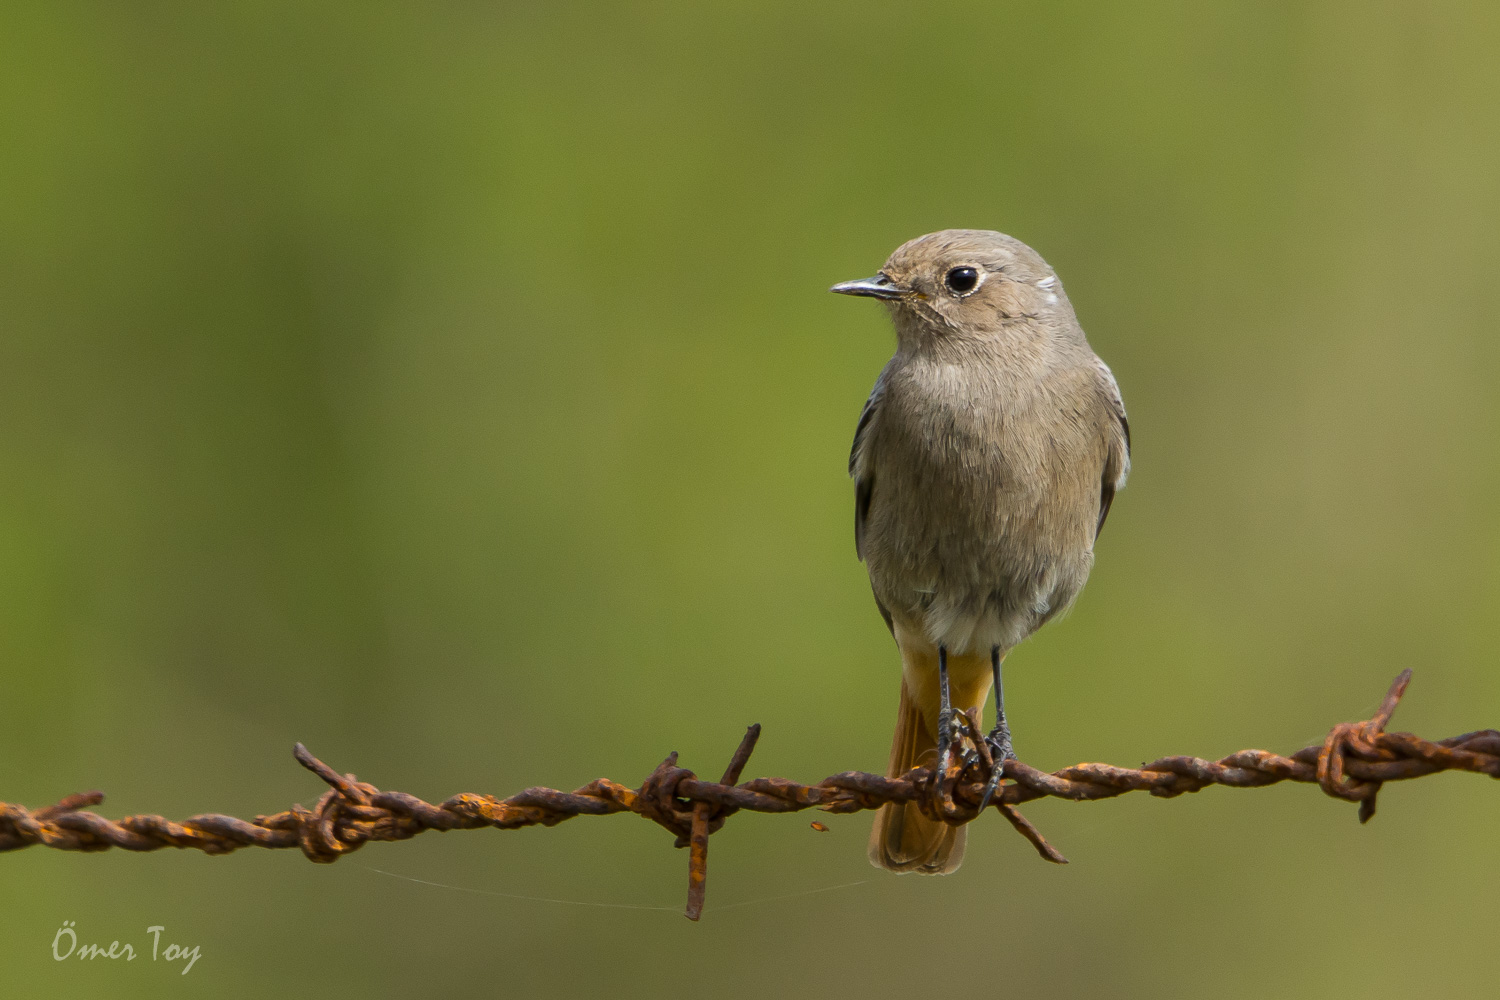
<point>878,287</point>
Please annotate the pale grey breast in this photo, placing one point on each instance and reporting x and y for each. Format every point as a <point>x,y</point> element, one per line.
<point>981,488</point>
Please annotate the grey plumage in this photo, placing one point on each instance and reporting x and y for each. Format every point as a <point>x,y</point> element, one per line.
<point>985,462</point>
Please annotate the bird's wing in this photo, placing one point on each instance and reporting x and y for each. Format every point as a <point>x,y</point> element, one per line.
<point>1117,458</point>
<point>860,468</point>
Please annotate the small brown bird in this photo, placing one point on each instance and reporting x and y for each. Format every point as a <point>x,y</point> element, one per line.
<point>984,464</point>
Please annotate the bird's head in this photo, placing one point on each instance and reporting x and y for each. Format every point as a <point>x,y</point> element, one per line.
<point>965,285</point>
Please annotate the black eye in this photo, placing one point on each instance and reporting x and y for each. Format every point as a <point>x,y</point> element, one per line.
<point>962,280</point>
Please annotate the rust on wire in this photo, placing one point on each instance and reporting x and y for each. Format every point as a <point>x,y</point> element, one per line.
<point>1351,764</point>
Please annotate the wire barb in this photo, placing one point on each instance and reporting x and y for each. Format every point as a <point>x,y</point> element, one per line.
<point>704,814</point>
<point>1352,764</point>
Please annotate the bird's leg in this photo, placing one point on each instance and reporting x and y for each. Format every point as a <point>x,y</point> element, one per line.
<point>945,717</point>
<point>999,737</point>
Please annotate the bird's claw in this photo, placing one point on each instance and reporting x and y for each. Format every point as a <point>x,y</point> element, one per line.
<point>1000,750</point>
<point>944,747</point>
<point>988,753</point>
<point>998,742</point>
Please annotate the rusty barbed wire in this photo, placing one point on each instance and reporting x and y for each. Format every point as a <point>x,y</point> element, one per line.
<point>1352,763</point>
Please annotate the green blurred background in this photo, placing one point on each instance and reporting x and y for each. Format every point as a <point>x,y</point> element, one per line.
<point>455,388</point>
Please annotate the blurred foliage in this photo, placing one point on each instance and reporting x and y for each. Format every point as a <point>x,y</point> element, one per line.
<point>454,387</point>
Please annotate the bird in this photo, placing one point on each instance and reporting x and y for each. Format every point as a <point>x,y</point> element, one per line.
<point>984,464</point>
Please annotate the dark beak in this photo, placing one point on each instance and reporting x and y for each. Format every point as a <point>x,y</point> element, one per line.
<point>878,287</point>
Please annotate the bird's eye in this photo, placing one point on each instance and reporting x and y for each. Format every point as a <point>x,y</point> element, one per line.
<point>962,280</point>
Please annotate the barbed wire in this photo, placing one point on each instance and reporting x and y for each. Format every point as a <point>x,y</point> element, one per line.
<point>1352,763</point>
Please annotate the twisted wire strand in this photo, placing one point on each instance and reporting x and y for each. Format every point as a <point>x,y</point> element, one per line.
<point>1351,764</point>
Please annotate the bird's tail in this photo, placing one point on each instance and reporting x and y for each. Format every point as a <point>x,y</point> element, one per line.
<point>904,840</point>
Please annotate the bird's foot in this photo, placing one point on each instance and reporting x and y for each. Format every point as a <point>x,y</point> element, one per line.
<point>946,720</point>
<point>953,754</point>
<point>997,747</point>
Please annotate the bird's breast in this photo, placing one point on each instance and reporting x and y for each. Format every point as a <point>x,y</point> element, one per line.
<point>979,524</point>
